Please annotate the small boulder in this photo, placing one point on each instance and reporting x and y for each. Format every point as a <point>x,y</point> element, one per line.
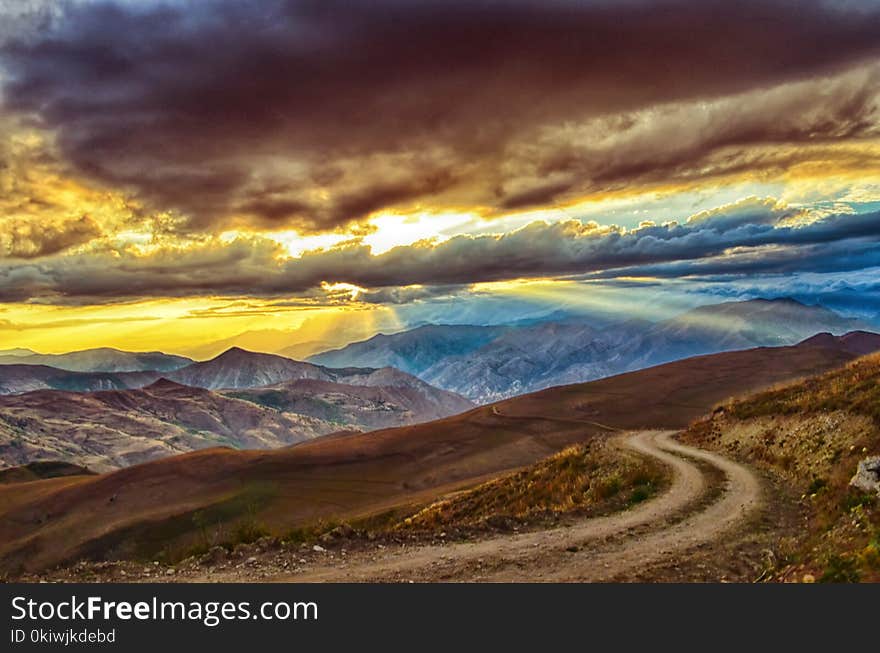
<point>341,532</point>
<point>867,476</point>
<point>267,543</point>
<point>245,550</point>
<point>215,556</point>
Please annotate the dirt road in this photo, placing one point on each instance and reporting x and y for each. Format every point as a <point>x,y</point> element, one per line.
<point>690,514</point>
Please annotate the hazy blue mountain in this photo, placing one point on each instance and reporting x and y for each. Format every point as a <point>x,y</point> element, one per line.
<point>104,359</point>
<point>490,363</point>
<point>18,351</point>
<point>412,351</point>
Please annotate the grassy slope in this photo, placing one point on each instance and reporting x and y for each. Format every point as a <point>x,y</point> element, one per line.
<point>587,480</point>
<point>813,433</point>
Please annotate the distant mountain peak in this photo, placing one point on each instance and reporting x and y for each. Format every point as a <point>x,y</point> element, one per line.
<point>233,351</point>
<point>239,354</point>
<point>822,339</point>
<point>165,384</point>
<point>234,356</point>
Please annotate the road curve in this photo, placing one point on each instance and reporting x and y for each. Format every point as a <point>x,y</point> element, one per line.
<point>606,547</point>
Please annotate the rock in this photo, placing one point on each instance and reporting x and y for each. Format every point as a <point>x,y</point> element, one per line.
<point>867,476</point>
<point>341,532</point>
<point>170,572</point>
<point>251,561</point>
<point>245,550</point>
<point>808,578</point>
<point>318,548</point>
<point>266,543</point>
<point>215,555</point>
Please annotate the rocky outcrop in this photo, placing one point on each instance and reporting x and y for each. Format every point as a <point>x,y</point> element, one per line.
<point>867,476</point>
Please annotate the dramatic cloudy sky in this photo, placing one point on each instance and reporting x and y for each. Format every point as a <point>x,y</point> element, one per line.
<point>175,173</point>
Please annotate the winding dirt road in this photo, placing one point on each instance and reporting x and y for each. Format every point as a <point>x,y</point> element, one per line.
<point>690,514</point>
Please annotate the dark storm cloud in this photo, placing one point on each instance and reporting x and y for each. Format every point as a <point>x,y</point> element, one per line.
<point>314,114</point>
<point>846,256</point>
<point>399,296</point>
<point>721,242</point>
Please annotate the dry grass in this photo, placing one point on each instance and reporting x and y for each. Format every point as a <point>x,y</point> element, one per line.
<point>592,478</point>
<point>854,388</point>
<point>813,433</point>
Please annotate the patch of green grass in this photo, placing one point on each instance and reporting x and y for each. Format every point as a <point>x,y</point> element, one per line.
<point>857,499</point>
<point>840,569</point>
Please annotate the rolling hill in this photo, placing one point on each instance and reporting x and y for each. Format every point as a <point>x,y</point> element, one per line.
<point>148,510</point>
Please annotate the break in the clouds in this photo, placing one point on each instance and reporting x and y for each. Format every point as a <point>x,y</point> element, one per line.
<point>313,115</point>
<point>749,237</point>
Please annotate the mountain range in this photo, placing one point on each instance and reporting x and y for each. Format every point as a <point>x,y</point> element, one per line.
<point>115,428</point>
<point>108,420</point>
<point>491,363</point>
<point>233,369</point>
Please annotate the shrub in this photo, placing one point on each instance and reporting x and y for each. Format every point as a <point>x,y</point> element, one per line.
<point>840,569</point>
<point>641,493</point>
<point>816,485</point>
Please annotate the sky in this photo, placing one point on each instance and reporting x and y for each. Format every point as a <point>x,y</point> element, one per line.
<point>174,174</point>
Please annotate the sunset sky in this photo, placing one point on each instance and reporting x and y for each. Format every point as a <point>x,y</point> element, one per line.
<point>175,173</point>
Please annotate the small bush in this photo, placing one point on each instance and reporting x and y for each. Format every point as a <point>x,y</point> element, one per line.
<point>857,499</point>
<point>608,488</point>
<point>817,485</point>
<point>641,493</point>
<point>840,569</point>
